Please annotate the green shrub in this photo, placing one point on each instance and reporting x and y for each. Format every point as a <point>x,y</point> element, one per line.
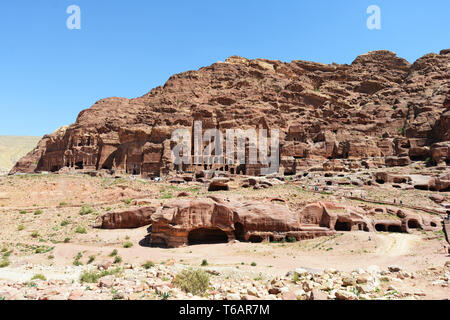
<point>118,259</point>
<point>76,261</point>
<point>39,250</point>
<point>204,263</point>
<point>113,253</point>
<point>20,227</point>
<point>35,234</point>
<point>4,263</point>
<point>89,277</point>
<point>22,212</point>
<point>38,212</point>
<point>39,276</point>
<point>81,230</point>
<point>91,259</point>
<point>253,264</point>
<point>86,210</point>
<point>127,201</point>
<point>94,276</point>
<point>148,265</point>
<point>128,244</point>
<point>167,195</point>
<point>64,223</point>
<point>193,281</point>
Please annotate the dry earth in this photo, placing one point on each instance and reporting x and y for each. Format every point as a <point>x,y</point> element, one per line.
<point>46,222</point>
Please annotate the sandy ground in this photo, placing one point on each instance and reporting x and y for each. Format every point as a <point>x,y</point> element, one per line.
<point>40,216</point>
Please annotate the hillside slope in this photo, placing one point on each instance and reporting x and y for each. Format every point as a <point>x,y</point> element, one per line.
<point>12,148</point>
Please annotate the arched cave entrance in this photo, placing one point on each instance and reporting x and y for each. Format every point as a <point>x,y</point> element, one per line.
<point>413,224</point>
<point>241,170</point>
<point>343,226</point>
<point>380,227</point>
<point>207,236</point>
<point>394,228</point>
<point>255,239</point>
<point>79,165</point>
<point>239,231</point>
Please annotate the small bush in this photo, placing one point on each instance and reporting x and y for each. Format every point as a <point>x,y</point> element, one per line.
<point>86,210</point>
<point>113,253</point>
<point>39,250</point>
<point>81,230</point>
<point>167,195</point>
<point>193,281</point>
<point>127,201</point>
<point>204,263</point>
<point>38,212</point>
<point>89,277</point>
<point>253,264</point>
<point>94,276</point>
<point>66,240</point>
<point>91,259</point>
<point>35,234</point>
<point>64,223</point>
<point>22,212</point>
<point>63,203</point>
<point>118,259</point>
<point>128,244</point>
<point>148,265</point>
<point>76,261</point>
<point>4,263</point>
<point>21,227</point>
<point>39,276</point>
<point>7,254</point>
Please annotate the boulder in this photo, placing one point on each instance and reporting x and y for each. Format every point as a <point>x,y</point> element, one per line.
<point>134,218</point>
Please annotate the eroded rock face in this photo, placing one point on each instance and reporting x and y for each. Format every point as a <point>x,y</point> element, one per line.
<point>127,219</point>
<point>214,220</point>
<point>379,106</point>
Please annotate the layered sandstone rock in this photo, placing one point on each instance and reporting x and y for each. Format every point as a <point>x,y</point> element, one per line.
<point>379,106</point>
<point>214,220</point>
<point>127,219</point>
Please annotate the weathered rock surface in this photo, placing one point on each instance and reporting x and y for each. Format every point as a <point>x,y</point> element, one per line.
<point>378,106</point>
<point>214,220</point>
<point>127,219</point>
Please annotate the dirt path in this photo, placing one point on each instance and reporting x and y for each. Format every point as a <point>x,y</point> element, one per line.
<point>397,244</point>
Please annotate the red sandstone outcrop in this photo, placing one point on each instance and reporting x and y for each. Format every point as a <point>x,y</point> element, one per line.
<point>127,219</point>
<point>379,106</point>
<point>213,220</point>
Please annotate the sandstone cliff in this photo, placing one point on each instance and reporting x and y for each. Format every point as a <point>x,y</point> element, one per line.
<point>378,106</point>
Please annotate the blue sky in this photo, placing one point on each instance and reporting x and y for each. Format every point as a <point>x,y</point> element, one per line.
<point>48,73</point>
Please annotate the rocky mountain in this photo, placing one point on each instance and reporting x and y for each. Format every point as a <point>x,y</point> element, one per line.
<point>380,107</point>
